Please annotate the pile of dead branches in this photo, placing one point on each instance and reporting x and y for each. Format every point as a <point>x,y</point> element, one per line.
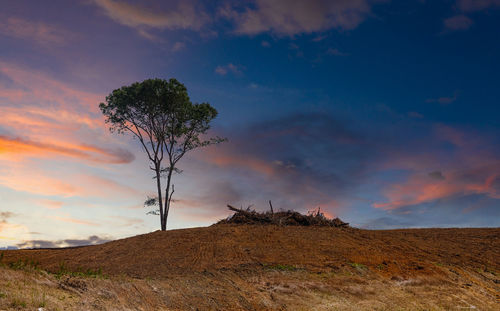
<point>282,218</point>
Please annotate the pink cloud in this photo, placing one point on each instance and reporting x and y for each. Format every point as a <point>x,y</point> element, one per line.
<point>30,88</point>
<point>444,100</point>
<point>470,170</point>
<point>295,17</point>
<point>37,183</point>
<point>420,189</point>
<point>181,15</point>
<point>229,68</point>
<point>42,33</point>
<point>458,22</point>
<point>476,5</point>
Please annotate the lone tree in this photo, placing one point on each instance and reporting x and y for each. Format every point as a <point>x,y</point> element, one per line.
<point>161,116</point>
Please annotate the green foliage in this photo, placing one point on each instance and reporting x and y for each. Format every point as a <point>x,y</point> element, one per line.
<point>281,267</point>
<point>43,302</point>
<point>18,303</point>
<point>80,272</point>
<point>24,264</point>
<point>160,114</point>
<point>357,265</point>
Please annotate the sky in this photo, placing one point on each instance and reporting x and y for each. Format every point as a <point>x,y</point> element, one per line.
<point>383,113</point>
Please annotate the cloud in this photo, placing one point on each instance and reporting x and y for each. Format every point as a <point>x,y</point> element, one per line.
<point>179,15</point>
<point>91,240</point>
<point>23,87</point>
<point>9,230</point>
<point>471,167</point>
<point>309,160</point>
<point>445,100</point>
<point>415,114</point>
<point>229,68</point>
<point>75,221</point>
<point>418,190</point>
<point>458,22</point>
<point>50,204</point>
<point>37,183</point>
<point>178,46</point>
<point>25,177</point>
<point>437,175</point>
<point>281,17</point>
<point>289,18</point>
<point>26,148</point>
<point>476,5</point>
<point>336,52</point>
<point>5,215</point>
<point>42,33</point>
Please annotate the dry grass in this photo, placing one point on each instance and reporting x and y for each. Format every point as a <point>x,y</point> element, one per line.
<point>262,268</point>
<point>262,289</point>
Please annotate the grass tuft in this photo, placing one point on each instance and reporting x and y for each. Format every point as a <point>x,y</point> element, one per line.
<point>281,267</point>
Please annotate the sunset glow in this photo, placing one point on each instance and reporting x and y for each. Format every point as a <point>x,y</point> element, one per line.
<point>383,114</point>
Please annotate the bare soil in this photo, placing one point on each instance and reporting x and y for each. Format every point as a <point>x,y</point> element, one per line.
<point>268,267</point>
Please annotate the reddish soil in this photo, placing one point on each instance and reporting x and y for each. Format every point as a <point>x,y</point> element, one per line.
<point>390,253</point>
<point>264,267</point>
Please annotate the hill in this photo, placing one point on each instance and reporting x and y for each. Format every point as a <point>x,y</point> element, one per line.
<point>256,267</point>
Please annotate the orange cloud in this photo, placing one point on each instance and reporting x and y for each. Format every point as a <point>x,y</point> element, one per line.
<point>19,147</point>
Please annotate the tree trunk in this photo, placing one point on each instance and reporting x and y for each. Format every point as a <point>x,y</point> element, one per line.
<point>163,224</point>
<point>167,195</point>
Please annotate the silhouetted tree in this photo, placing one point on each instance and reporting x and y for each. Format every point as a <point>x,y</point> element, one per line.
<point>161,116</point>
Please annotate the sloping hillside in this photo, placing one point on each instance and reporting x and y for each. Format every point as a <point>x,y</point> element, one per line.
<point>269,267</point>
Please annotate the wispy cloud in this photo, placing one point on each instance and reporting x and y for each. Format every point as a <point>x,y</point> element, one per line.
<point>462,21</point>
<point>291,18</point>
<point>470,170</point>
<point>25,148</point>
<point>457,22</point>
<point>476,5</point>
<point>179,15</point>
<point>229,68</point>
<point>42,33</point>
<point>281,17</point>
<point>178,46</point>
<point>336,52</point>
<point>445,100</point>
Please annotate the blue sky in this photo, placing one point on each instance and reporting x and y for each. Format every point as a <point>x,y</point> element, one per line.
<point>384,113</point>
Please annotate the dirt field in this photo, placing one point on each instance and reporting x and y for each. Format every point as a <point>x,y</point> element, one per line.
<point>229,267</point>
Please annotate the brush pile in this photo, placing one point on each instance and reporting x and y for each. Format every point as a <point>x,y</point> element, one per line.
<point>282,218</point>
